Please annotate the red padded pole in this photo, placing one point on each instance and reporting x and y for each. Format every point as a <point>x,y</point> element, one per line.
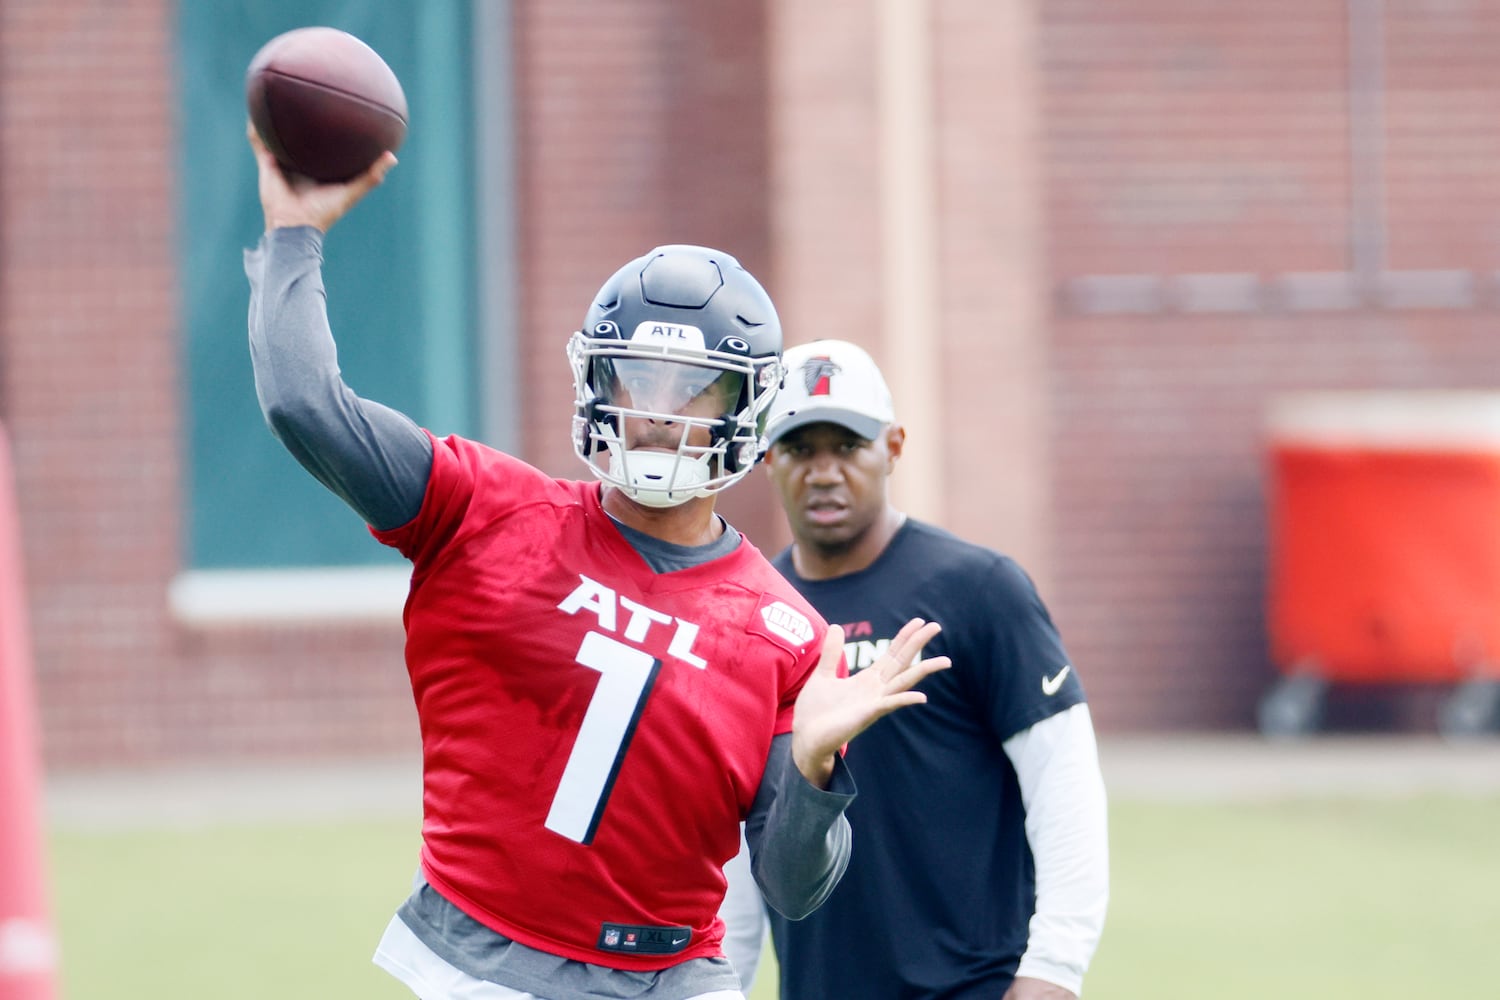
<point>28,951</point>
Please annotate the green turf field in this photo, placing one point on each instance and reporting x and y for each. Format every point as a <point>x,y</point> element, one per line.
<point>1360,899</point>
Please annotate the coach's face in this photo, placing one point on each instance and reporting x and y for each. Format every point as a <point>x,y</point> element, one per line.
<point>832,482</point>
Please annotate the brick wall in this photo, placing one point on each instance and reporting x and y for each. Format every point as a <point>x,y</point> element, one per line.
<point>1243,200</point>
<point>1151,217</point>
<point>640,123</point>
<point>89,378</point>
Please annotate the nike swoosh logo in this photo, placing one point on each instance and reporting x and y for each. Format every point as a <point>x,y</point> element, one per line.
<point>1050,685</point>
<point>681,940</point>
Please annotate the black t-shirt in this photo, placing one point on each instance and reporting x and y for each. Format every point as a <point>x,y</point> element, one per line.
<point>940,887</point>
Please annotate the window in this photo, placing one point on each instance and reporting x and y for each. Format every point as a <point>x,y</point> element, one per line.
<point>400,271</point>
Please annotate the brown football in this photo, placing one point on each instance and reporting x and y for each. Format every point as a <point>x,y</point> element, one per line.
<point>324,103</point>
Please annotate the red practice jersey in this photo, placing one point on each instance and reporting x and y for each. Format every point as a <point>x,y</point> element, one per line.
<point>592,731</point>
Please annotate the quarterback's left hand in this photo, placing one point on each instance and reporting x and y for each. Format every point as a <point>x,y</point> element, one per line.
<point>832,710</point>
<point>1026,988</point>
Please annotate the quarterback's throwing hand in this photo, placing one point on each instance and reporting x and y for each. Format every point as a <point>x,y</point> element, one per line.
<point>293,200</point>
<point>832,710</point>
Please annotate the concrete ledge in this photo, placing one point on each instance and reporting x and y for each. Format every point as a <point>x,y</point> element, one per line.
<point>221,598</point>
<point>235,795</point>
<point>1248,768</point>
<point>1234,292</point>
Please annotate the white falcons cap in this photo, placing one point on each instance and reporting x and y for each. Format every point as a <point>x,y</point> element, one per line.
<point>831,381</point>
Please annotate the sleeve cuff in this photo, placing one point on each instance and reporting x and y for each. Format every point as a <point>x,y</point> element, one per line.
<point>1060,975</point>
<point>307,239</point>
<point>811,800</point>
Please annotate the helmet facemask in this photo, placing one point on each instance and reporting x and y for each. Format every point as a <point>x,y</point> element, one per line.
<point>674,371</point>
<point>663,418</point>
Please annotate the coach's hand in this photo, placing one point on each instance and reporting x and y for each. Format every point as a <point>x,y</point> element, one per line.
<point>1026,988</point>
<point>832,710</point>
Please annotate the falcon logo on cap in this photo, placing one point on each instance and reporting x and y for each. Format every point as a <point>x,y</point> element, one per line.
<point>817,374</point>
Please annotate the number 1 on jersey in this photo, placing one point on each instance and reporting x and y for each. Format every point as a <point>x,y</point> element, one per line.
<point>626,675</point>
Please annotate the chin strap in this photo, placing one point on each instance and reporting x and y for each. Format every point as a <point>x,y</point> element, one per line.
<point>659,478</point>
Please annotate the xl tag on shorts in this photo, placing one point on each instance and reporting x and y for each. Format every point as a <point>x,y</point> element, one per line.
<point>639,940</point>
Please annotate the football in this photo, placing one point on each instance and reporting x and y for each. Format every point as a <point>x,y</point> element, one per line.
<point>324,103</point>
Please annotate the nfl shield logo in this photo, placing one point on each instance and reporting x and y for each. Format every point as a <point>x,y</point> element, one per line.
<point>611,938</point>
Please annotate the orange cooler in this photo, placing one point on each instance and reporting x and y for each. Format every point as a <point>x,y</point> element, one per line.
<point>1385,535</point>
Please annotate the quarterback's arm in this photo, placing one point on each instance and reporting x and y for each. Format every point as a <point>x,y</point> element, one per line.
<point>798,834</point>
<point>374,458</point>
<point>1057,762</point>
